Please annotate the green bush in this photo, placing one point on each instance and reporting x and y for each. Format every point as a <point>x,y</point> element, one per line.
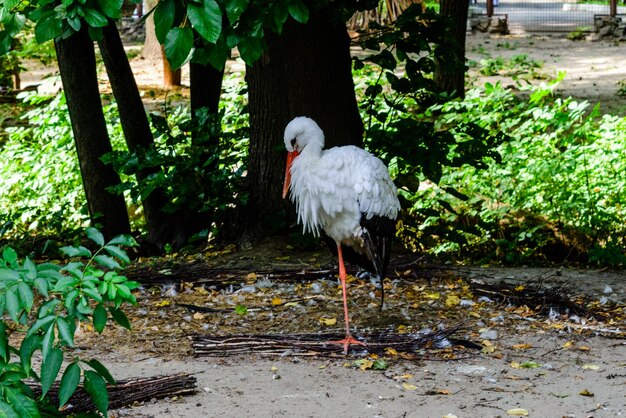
<point>43,304</point>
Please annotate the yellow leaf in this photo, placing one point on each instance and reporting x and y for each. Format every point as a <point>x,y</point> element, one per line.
<point>520,288</point>
<point>522,346</point>
<point>409,386</point>
<point>591,367</point>
<point>274,368</point>
<point>402,329</point>
<point>520,412</point>
<point>162,303</point>
<point>323,366</point>
<point>289,304</point>
<point>198,316</point>
<point>452,300</point>
<point>488,349</point>
<point>434,295</point>
<point>583,348</point>
<point>475,314</point>
<point>516,365</point>
<point>328,321</point>
<point>391,351</point>
<point>568,344</point>
<point>364,364</point>
<point>277,301</point>
<point>586,393</point>
<point>251,277</point>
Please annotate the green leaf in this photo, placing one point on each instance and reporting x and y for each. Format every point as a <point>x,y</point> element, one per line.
<point>69,383</point>
<point>206,19</point>
<point>111,8</point>
<point>48,341</point>
<point>4,343</point>
<point>12,304</point>
<point>48,27</point>
<point>92,233</point>
<point>106,261</point>
<point>31,269</point>
<point>26,296</point>
<point>234,9</point>
<point>299,11</point>
<point>250,49</point>
<point>95,19</point>
<point>178,46</point>
<point>102,370</point>
<point>25,406</point>
<point>164,15</point>
<point>92,293</point>
<point>65,284</point>
<point>50,369</point>
<point>41,285</point>
<point>117,252</point>
<point>8,274</point>
<point>65,331</point>
<point>27,348</point>
<point>7,411</point>
<point>241,310</point>
<point>97,389</point>
<point>125,240</point>
<point>99,318</point>
<point>44,323</point>
<point>10,256</point>
<point>76,251</point>
<point>120,317</point>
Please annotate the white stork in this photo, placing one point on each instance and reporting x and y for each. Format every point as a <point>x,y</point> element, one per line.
<point>345,191</point>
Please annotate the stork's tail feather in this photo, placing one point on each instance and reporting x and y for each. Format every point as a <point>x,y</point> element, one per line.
<point>372,253</point>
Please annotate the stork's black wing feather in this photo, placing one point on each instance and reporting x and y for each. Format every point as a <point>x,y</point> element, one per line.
<point>378,235</point>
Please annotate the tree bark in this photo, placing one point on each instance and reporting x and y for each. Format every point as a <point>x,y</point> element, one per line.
<point>153,51</point>
<point>307,71</point>
<point>77,65</point>
<point>205,83</point>
<point>161,227</point>
<point>450,74</point>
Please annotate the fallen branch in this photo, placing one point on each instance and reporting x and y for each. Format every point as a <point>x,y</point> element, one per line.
<point>317,345</point>
<point>127,392</point>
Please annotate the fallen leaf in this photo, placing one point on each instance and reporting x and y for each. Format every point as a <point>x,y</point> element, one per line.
<point>434,295</point>
<point>251,276</point>
<point>328,321</point>
<point>364,364</point>
<point>522,346</point>
<point>515,365</point>
<point>449,416</point>
<point>438,392</point>
<point>391,351</point>
<point>277,301</point>
<point>162,304</point>
<point>520,412</point>
<point>586,393</point>
<point>274,368</point>
<point>380,364</point>
<point>591,367</point>
<point>452,300</point>
<point>198,316</point>
<point>520,288</point>
<point>568,344</point>
<point>408,386</point>
<point>583,348</point>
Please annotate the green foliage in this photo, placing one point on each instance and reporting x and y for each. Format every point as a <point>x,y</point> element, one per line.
<point>83,290</point>
<point>559,183</point>
<point>514,66</point>
<point>201,160</point>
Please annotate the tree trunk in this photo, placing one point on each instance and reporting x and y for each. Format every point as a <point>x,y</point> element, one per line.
<point>153,51</point>
<point>206,87</point>
<point>77,65</point>
<point>171,77</point>
<point>450,74</point>
<point>307,71</point>
<point>161,227</point>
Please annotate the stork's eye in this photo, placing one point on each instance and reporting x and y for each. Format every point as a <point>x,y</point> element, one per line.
<point>293,142</point>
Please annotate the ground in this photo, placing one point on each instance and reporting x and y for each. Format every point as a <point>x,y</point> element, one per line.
<point>544,363</point>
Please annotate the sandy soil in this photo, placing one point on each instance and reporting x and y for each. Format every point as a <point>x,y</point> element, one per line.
<point>566,366</point>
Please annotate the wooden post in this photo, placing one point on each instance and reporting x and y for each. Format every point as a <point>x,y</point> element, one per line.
<point>489,8</point>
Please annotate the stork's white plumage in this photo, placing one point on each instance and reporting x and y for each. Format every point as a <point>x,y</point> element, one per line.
<point>345,191</point>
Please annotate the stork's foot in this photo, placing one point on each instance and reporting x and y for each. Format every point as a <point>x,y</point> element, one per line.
<point>346,342</point>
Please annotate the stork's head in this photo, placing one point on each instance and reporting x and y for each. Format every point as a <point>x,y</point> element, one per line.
<point>301,134</point>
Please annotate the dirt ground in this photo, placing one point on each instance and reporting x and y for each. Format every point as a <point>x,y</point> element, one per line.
<point>554,364</point>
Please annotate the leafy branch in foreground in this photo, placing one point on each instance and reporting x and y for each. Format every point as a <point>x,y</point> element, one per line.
<point>86,289</point>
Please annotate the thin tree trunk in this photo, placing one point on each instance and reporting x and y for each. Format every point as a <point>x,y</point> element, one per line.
<point>160,225</point>
<point>77,65</point>
<point>307,71</point>
<point>450,74</point>
<point>206,87</point>
<point>171,77</point>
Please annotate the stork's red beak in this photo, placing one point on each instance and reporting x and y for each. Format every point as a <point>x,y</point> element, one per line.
<point>290,157</point>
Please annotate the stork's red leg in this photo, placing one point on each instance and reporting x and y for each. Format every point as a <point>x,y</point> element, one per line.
<point>342,276</point>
